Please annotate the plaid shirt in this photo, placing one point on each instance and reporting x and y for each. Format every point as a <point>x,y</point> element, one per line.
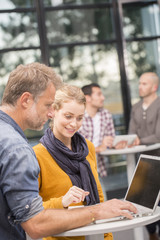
<point>106,129</point>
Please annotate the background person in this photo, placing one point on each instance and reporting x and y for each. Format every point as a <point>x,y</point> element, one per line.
<point>145,122</point>
<point>98,126</point>
<point>68,161</point>
<point>27,104</point>
<point>145,115</point>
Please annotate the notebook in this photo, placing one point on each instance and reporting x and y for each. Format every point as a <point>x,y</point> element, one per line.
<point>144,189</point>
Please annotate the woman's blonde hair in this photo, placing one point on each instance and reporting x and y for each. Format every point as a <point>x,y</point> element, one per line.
<point>65,94</point>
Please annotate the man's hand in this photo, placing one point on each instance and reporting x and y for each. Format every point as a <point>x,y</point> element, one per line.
<point>121,145</point>
<point>108,141</point>
<point>135,143</point>
<point>53,221</point>
<point>114,208</point>
<point>74,195</point>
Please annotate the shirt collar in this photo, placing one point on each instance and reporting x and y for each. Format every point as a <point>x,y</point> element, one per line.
<point>6,118</point>
<point>87,115</point>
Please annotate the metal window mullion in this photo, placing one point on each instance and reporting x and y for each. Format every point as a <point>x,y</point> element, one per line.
<point>125,90</point>
<point>42,31</point>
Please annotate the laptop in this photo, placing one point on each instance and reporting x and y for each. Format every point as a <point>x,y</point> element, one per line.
<point>144,189</point>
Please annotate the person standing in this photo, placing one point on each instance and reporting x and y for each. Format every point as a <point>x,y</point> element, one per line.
<point>145,115</point>
<point>67,160</point>
<point>145,122</point>
<point>27,104</point>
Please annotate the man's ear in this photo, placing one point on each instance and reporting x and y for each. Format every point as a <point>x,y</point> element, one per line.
<point>88,98</point>
<point>155,88</point>
<point>26,99</point>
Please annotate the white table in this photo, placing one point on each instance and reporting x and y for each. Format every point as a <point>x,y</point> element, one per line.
<point>96,231</point>
<point>130,152</point>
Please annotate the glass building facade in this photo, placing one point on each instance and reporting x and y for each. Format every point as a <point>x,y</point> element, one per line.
<point>109,42</point>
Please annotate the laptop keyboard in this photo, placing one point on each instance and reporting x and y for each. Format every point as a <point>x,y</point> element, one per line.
<point>142,211</point>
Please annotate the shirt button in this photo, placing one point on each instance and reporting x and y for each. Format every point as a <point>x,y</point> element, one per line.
<point>27,206</point>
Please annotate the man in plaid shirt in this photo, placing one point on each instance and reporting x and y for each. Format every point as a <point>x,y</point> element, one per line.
<point>97,124</point>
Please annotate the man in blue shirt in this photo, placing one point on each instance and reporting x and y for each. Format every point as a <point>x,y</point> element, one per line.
<point>27,103</point>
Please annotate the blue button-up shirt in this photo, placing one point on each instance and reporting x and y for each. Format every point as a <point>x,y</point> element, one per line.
<point>19,169</point>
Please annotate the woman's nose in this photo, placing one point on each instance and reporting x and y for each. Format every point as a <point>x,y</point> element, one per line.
<point>73,122</point>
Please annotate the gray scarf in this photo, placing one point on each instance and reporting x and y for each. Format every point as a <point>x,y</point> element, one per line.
<point>73,163</point>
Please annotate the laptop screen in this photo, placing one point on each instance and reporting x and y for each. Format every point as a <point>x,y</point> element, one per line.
<point>145,184</point>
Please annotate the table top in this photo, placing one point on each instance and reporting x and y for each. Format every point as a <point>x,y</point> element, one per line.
<point>135,149</point>
<point>115,226</point>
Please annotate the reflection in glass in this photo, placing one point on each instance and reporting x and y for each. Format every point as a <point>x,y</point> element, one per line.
<point>142,57</point>
<point>11,4</point>
<point>10,60</point>
<point>82,65</point>
<point>18,30</point>
<point>78,2</point>
<point>79,25</point>
<point>141,21</point>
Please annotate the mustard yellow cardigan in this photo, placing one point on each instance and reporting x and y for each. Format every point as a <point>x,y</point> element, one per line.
<point>54,182</point>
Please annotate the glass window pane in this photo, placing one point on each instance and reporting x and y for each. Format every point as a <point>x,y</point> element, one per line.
<point>82,65</point>
<point>18,30</point>
<point>79,25</point>
<point>142,57</point>
<point>141,21</point>
<point>78,2</point>
<point>11,4</point>
<point>9,61</point>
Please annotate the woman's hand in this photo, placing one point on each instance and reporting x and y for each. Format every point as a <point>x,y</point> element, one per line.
<point>74,195</point>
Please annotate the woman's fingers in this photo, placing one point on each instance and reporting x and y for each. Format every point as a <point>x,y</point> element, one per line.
<point>74,195</point>
<point>78,193</point>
